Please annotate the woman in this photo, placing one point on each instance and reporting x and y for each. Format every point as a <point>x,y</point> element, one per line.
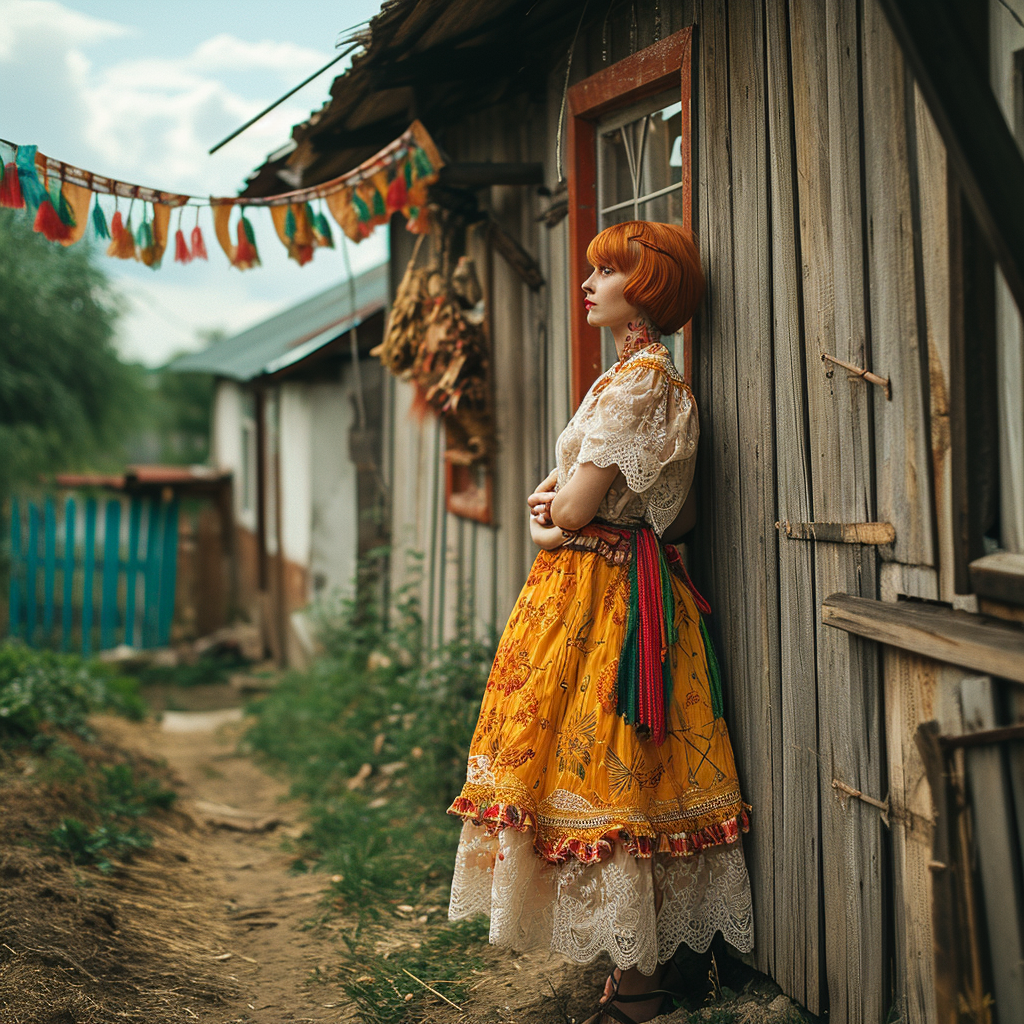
<point>601,810</point>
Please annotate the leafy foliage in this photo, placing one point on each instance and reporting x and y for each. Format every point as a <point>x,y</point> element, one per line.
<point>66,399</point>
<point>41,690</point>
<point>98,845</point>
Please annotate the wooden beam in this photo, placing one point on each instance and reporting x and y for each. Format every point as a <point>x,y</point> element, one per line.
<point>999,577</point>
<point>484,174</point>
<point>840,533</point>
<point>958,638</point>
<point>980,145</point>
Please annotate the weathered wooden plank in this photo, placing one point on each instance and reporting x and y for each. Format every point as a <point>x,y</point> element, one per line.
<point>798,944</point>
<point>839,533</point>
<point>911,683</point>
<point>825,56</point>
<point>994,846</point>
<point>999,576</point>
<point>933,201</point>
<point>897,348</point>
<point>959,638</point>
<point>747,401</point>
<point>898,580</point>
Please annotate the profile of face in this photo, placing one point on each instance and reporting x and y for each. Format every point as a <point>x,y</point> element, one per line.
<point>605,301</point>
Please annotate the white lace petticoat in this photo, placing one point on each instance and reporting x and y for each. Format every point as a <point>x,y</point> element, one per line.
<point>583,910</point>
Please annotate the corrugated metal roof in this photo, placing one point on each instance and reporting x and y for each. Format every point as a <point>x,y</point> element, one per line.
<point>286,338</point>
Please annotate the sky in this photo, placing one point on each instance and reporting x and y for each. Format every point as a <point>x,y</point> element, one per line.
<point>140,91</point>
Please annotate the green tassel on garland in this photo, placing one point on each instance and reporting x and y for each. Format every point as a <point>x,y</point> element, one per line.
<point>28,178</point>
<point>407,171</point>
<point>379,207</point>
<point>290,226</point>
<point>362,210</point>
<point>99,221</point>
<point>323,229</point>
<point>144,236</point>
<point>423,164</point>
<point>714,672</point>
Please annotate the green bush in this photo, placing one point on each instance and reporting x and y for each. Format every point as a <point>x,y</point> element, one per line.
<point>40,689</point>
<point>97,845</point>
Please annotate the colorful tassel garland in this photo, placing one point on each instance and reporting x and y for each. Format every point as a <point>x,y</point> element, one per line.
<point>289,223</point>
<point>398,194</point>
<point>28,177</point>
<point>122,240</point>
<point>10,188</point>
<point>49,224</point>
<point>99,222</point>
<point>322,234</point>
<point>181,250</point>
<point>246,255</point>
<point>198,244</point>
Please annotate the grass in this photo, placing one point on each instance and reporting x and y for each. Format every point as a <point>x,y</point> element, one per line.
<point>374,736</point>
<point>45,701</point>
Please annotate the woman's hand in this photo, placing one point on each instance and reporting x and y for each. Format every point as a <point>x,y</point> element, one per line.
<point>539,502</point>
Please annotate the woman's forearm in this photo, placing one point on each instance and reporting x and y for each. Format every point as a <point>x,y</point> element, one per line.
<point>546,537</point>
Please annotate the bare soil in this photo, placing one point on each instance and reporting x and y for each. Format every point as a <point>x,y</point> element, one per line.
<point>213,924</point>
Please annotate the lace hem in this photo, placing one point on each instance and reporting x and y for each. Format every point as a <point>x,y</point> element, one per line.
<point>496,817</point>
<point>583,910</point>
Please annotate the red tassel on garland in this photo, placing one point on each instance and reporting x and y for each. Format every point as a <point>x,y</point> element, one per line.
<point>198,245</point>
<point>49,224</point>
<point>398,194</point>
<point>10,188</point>
<point>181,251</point>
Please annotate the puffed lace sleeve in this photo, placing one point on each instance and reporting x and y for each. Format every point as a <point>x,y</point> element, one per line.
<point>645,422</point>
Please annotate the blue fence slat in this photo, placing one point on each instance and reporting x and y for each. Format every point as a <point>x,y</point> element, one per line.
<point>67,609</point>
<point>111,570</point>
<point>89,559</point>
<point>49,566</point>
<point>131,584</point>
<point>14,597</point>
<point>151,589</point>
<point>168,572</point>
<point>31,575</point>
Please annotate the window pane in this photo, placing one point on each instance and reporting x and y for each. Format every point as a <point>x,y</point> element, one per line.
<point>668,208</point>
<point>662,163</point>
<point>617,150</point>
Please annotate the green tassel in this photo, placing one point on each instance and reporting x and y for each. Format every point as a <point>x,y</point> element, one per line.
<point>144,236</point>
<point>423,164</point>
<point>290,227</point>
<point>61,204</point>
<point>323,229</point>
<point>249,233</point>
<point>407,171</point>
<point>628,678</point>
<point>379,208</point>
<point>362,210</point>
<point>99,221</point>
<point>714,673</point>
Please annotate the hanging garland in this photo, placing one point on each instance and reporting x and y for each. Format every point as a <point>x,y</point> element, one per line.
<point>59,195</point>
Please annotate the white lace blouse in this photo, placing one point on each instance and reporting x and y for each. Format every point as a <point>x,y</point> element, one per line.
<point>639,415</point>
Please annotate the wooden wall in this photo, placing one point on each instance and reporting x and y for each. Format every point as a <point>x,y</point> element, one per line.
<point>820,205</point>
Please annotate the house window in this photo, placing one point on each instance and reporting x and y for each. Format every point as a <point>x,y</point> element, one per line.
<point>629,151</point>
<point>640,176</point>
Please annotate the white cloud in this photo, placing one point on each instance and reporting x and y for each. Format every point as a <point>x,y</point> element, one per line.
<point>46,19</point>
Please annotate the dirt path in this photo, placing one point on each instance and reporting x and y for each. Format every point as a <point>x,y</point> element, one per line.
<point>284,963</point>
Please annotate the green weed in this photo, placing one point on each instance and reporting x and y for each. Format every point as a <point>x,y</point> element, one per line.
<point>98,845</point>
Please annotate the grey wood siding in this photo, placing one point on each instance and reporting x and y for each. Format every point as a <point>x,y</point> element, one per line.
<point>820,205</point>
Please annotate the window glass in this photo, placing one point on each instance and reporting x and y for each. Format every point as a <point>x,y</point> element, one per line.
<point>640,175</point>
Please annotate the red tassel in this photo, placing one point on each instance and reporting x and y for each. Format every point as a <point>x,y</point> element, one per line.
<point>181,250</point>
<point>49,224</point>
<point>10,188</point>
<point>198,245</point>
<point>398,194</point>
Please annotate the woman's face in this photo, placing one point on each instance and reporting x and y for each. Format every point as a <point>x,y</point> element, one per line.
<point>605,304</point>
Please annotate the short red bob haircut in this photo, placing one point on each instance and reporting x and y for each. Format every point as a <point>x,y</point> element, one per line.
<point>662,267</point>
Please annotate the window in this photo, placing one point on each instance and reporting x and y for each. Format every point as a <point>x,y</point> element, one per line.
<point>639,174</point>
<point>629,152</point>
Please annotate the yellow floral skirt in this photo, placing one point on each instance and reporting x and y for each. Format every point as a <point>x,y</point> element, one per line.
<point>551,756</point>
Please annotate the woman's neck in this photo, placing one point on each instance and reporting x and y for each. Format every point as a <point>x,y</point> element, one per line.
<point>635,335</point>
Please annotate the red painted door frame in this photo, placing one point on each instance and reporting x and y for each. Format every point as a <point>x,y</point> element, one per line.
<point>652,70</point>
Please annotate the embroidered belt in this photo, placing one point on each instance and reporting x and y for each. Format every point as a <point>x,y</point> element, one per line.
<point>644,679</point>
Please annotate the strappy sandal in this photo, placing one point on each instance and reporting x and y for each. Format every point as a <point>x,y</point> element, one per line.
<point>612,1012</point>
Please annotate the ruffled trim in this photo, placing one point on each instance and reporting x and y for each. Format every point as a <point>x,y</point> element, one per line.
<point>498,816</point>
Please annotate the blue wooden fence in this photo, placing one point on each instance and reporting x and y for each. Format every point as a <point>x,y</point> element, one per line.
<point>96,602</point>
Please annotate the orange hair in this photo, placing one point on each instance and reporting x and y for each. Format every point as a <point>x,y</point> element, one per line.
<point>662,268</point>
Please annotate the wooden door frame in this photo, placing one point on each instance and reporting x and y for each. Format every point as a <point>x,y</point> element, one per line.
<point>646,73</point>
